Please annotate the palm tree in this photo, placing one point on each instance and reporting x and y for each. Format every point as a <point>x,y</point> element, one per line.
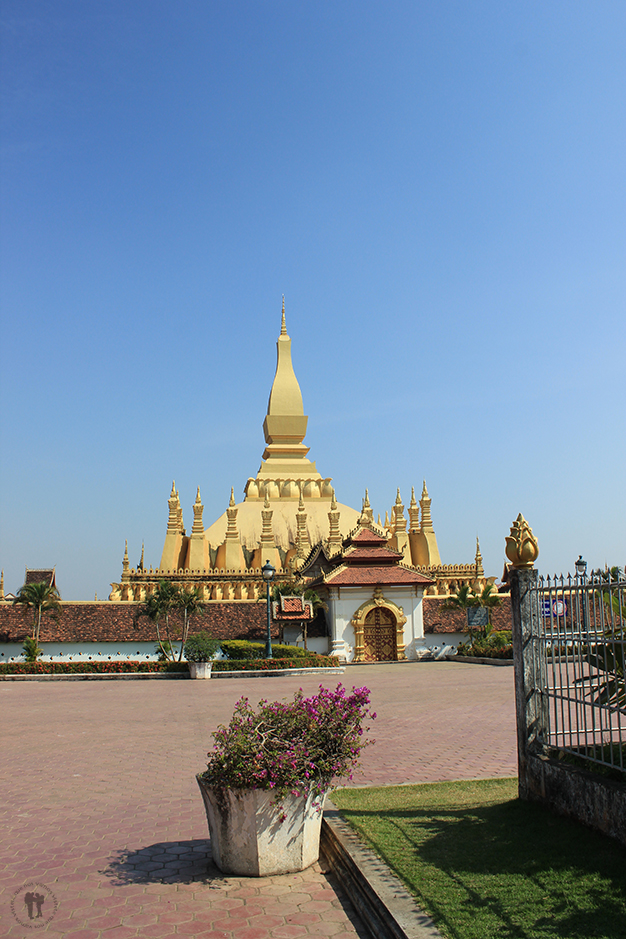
<point>160,604</point>
<point>463,600</point>
<point>489,601</point>
<point>190,603</point>
<point>41,598</point>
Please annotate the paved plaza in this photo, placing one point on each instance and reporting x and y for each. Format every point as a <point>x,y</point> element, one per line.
<point>102,817</point>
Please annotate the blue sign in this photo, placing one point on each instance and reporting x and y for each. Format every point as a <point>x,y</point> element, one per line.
<point>554,607</point>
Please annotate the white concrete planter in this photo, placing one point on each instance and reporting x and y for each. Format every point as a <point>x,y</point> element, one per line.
<point>200,669</point>
<point>248,837</point>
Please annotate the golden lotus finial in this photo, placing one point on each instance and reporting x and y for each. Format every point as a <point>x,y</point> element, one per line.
<point>522,548</point>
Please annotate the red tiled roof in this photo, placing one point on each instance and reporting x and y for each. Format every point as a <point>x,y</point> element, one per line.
<point>346,576</point>
<point>381,554</point>
<point>40,576</point>
<point>293,607</point>
<point>367,536</point>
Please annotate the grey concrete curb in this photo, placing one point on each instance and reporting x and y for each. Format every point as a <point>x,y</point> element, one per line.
<point>473,660</point>
<point>121,676</point>
<point>386,908</point>
<point>95,676</point>
<point>278,672</point>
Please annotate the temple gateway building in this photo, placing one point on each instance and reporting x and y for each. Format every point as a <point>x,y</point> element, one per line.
<point>372,575</point>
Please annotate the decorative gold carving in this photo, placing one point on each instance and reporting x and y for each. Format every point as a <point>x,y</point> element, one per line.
<point>358,622</point>
<point>522,548</point>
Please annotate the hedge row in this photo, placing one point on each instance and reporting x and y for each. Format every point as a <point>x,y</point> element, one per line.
<point>308,660</point>
<point>239,649</point>
<point>114,667</point>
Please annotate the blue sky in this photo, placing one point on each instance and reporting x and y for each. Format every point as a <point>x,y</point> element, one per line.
<point>438,188</point>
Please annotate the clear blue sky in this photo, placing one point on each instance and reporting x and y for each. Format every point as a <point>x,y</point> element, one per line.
<point>437,187</point>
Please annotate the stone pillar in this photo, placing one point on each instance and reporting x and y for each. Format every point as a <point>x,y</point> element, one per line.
<point>529,656</point>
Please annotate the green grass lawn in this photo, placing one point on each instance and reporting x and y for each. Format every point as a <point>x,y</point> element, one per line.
<point>484,864</point>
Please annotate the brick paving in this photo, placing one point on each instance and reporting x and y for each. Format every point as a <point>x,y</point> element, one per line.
<point>100,804</point>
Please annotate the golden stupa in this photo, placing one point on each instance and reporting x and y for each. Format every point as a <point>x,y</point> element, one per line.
<point>288,509</point>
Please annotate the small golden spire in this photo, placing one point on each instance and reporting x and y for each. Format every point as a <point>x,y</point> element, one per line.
<point>232,496</point>
<point>141,560</point>
<point>198,499</point>
<point>333,502</point>
<point>2,585</point>
<point>283,324</point>
<point>479,560</point>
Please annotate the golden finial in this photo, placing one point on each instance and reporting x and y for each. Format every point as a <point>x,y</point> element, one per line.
<point>283,324</point>
<point>2,585</point>
<point>522,548</point>
<point>333,502</point>
<point>424,491</point>
<point>398,499</point>
<point>232,496</point>
<point>173,492</point>
<point>198,499</point>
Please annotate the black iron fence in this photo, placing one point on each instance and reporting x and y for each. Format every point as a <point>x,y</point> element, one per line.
<point>578,637</point>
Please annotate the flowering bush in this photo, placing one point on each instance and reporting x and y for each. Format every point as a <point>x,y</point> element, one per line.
<point>113,667</point>
<point>295,748</point>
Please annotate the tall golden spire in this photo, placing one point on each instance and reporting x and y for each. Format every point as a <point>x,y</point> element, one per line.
<point>285,423</point>
<point>334,536</point>
<point>197,527</point>
<point>478,561</point>
<point>414,512</point>
<point>125,563</point>
<point>427,522</point>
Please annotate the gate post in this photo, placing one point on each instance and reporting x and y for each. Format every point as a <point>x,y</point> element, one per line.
<point>529,655</point>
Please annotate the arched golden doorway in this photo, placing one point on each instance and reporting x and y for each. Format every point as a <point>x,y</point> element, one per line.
<point>380,636</point>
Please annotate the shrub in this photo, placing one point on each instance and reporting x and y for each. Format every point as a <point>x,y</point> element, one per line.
<point>201,648</point>
<point>243,649</point>
<point>310,660</point>
<point>68,668</point>
<point>31,649</point>
<point>496,646</point>
<point>298,747</point>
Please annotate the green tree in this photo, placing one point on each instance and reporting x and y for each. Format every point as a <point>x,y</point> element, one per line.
<point>40,598</point>
<point>158,607</point>
<point>191,605</point>
<point>488,598</point>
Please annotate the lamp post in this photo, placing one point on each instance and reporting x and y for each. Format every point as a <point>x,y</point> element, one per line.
<point>268,575</point>
<point>581,571</point>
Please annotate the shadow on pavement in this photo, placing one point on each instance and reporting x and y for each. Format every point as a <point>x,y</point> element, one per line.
<point>166,862</point>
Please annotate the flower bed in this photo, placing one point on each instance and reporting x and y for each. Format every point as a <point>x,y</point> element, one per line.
<point>308,660</point>
<point>67,668</point>
<point>496,646</point>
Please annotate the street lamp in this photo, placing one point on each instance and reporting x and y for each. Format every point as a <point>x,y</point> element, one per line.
<point>268,575</point>
<point>581,566</point>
